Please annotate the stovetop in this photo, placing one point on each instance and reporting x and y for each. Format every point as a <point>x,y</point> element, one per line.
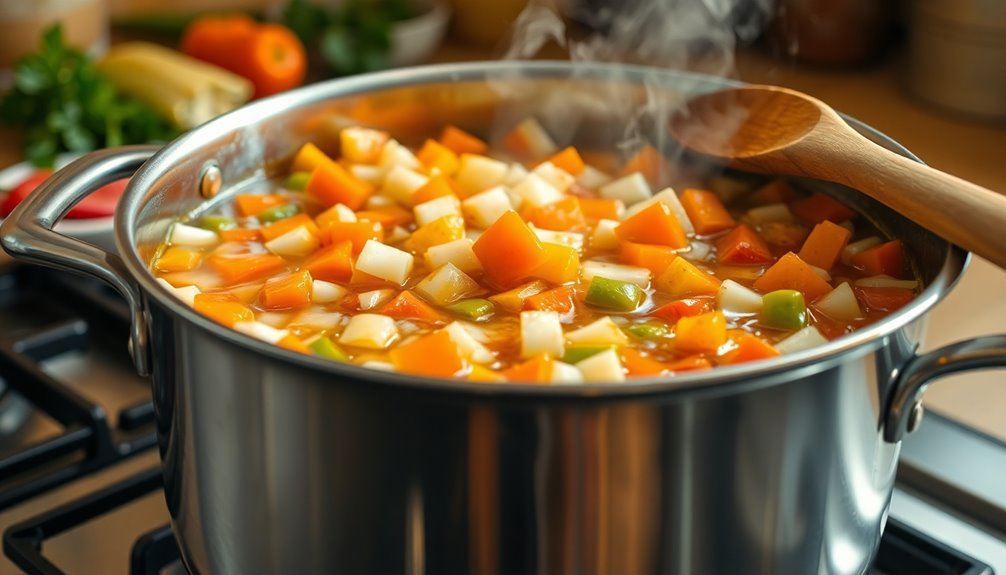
<point>80,485</point>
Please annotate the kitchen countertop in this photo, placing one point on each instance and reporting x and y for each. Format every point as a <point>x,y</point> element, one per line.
<point>966,147</point>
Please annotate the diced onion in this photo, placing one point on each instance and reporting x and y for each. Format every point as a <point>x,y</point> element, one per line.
<point>477,173</point>
<point>369,330</point>
<point>437,208</point>
<point>603,331</point>
<point>458,252</point>
<point>630,189</point>
<point>483,209</point>
<point>374,298</point>
<point>565,373</point>
<point>514,175</point>
<point>840,303</point>
<point>185,293</point>
<point>632,274</point>
<point>540,332</point>
<point>592,178</point>
<point>183,235</point>
<point>385,262</point>
<point>297,243</point>
<point>401,183</point>
<point>559,178</point>
<point>470,348</point>
<point>447,284</point>
<point>821,273</point>
<point>536,191</point>
<point>603,237</point>
<point>806,338</point>
<point>736,298</point>
<point>261,331</point>
<point>602,367</point>
<point>394,154</point>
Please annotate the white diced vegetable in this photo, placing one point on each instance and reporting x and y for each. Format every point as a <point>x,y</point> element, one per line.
<point>401,183</point>
<point>483,209</point>
<point>569,239</point>
<point>840,303</point>
<point>514,175</point>
<point>261,331</point>
<point>373,175</point>
<point>458,252</point>
<point>821,273</point>
<point>447,284</point>
<point>385,262</point>
<point>318,317</point>
<point>396,235</point>
<point>343,213</point>
<point>602,367</point>
<point>770,213</point>
<point>886,281</point>
<point>373,298</point>
<point>535,140</point>
<point>849,225</point>
<point>535,191</point>
<point>699,251</point>
<point>559,178</point>
<point>187,293</point>
<point>183,235</point>
<point>806,338</point>
<point>669,198</point>
<point>736,298</point>
<point>603,331</point>
<point>297,243</point>
<point>477,173</point>
<point>592,178</point>
<point>437,208</point>
<point>858,246</point>
<point>632,274</point>
<point>470,348</point>
<point>378,201</point>
<point>540,332</point>
<point>603,237</point>
<point>361,144</point>
<point>394,154</point>
<point>630,189</point>
<point>565,373</point>
<point>369,330</point>
<point>378,365</point>
<point>274,318</point>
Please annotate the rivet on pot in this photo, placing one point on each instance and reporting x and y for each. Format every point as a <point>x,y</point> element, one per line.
<point>915,417</point>
<point>210,181</point>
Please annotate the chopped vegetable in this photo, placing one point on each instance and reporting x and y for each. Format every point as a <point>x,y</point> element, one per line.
<point>385,262</point>
<point>706,211</point>
<point>653,225</point>
<point>509,251</point>
<point>824,245</point>
<point>885,259</point>
<point>369,330</point>
<point>326,348</point>
<point>784,309</point>
<point>407,305</point>
<point>649,330</point>
<point>474,309</point>
<point>703,333</point>
<point>742,245</point>
<point>790,272</point>
<point>461,142</point>
<point>540,332</point>
<point>601,332</point>
<point>682,279</point>
<point>820,207</point>
<point>602,367</point>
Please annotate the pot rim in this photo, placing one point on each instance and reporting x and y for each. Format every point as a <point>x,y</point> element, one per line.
<point>717,380</point>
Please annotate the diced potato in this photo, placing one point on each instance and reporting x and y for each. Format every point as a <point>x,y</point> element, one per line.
<point>736,298</point>
<point>514,175</point>
<point>535,191</point>
<point>378,201</point>
<point>369,330</point>
<point>261,331</point>
<point>602,367</point>
<point>559,178</point>
<point>396,235</point>
<point>471,348</point>
<point>603,331</point>
<point>373,175</point>
<point>447,284</point>
<point>183,235</point>
<point>603,237</point>
<point>319,318</point>
<point>326,292</point>
<point>385,262</point>
<point>840,303</point>
<point>437,208</point>
<point>540,332</point>
<point>669,198</point>
<point>592,178</point>
<point>769,213</point>
<point>337,213</point>
<point>296,243</point>
<point>886,281</point>
<point>394,154</point>
<point>362,145</point>
<point>630,189</point>
<point>565,373</point>
<point>573,240</point>
<point>459,253</point>
<point>401,183</point>
<point>858,246</point>
<point>699,251</point>
<point>374,298</point>
<point>274,319</point>
<point>806,338</point>
<point>632,274</point>
<point>483,209</point>
<point>477,173</point>
<point>530,138</point>
<point>186,293</point>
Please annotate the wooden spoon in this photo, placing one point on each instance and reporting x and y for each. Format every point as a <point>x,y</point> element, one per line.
<point>775,130</point>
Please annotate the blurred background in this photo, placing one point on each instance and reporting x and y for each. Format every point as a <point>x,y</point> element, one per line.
<point>929,73</point>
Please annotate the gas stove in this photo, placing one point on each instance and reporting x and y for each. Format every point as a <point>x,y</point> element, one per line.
<point>80,484</point>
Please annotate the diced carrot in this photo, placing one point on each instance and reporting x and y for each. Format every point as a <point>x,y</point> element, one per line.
<point>356,232</point>
<point>568,159</point>
<point>178,259</point>
<point>791,272</point>
<point>883,299</point>
<point>509,251</point>
<point>388,216</point>
<point>639,364</point>
<point>602,208</point>
<point>362,145</point>
<point>561,216</point>
<point>241,269</point>
<point>560,299</point>
<point>407,305</point>
<point>439,231</point>
<point>435,355</point>
<point>677,309</point>
<point>241,235</point>
<point>703,333</point>
<point>438,158</point>
<point>683,279</point>
<point>742,245</point>
<point>331,184</point>
<point>437,186</point>
<point>222,308</point>
<point>885,259</point>
<point>604,161</point>
<point>538,369</point>
<point>690,363</point>
<point>294,343</point>
<point>649,162</point>
<point>332,263</point>
<point>276,229</point>
<point>254,204</point>
<point>461,142</point>
<point>706,211</point>
<point>824,245</point>
<point>786,235</point>
<point>749,347</point>
<point>819,207</point>
<point>484,374</point>
<point>287,292</point>
<point>654,258</point>
<point>308,158</point>
<point>513,300</point>
<point>561,264</point>
<point>653,225</point>
<point>775,192</point>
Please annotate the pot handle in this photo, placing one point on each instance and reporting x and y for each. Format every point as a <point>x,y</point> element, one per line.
<point>904,411</point>
<point>27,233</point>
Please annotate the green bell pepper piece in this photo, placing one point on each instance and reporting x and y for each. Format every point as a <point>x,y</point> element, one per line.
<point>613,294</point>
<point>578,354</point>
<point>297,181</point>
<point>784,309</point>
<point>277,213</point>
<point>326,348</point>
<point>649,330</point>
<point>217,223</point>
<point>475,309</point>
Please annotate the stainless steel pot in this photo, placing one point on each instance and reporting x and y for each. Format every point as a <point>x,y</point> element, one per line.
<point>275,462</point>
